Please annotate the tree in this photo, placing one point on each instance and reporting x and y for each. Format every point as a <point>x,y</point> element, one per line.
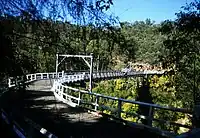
<point>182,51</point>
<point>144,41</point>
<point>36,32</point>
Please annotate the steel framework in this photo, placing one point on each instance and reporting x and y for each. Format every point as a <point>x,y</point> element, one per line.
<point>90,65</point>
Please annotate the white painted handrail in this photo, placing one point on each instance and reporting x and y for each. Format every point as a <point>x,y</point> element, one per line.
<point>61,92</point>
<point>33,77</point>
<point>66,94</point>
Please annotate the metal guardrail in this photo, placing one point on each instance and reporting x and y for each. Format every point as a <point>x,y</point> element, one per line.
<point>66,95</point>
<point>77,76</point>
<point>33,77</point>
<point>61,93</point>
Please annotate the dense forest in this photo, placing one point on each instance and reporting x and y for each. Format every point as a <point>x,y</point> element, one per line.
<point>29,43</point>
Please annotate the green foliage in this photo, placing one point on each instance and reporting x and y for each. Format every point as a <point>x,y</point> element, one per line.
<point>147,40</point>
<point>39,40</point>
<point>30,43</point>
<point>131,109</point>
<point>182,52</point>
<point>123,88</point>
<point>163,91</point>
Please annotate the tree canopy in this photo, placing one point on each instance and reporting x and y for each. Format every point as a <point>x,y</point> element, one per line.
<point>32,32</point>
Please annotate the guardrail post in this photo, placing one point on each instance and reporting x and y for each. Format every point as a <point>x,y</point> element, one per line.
<point>35,77</point>
<point>41,76</point>
<point>63,73</point>
<point>96,103</point>
<point>91,71</point>
<point>79,97</point>
<point>150,117</point>
<point>62,89</point>
<point>57,66</point>
<point>31,77</point>
<point>119,108</point>
<point>9,82</point>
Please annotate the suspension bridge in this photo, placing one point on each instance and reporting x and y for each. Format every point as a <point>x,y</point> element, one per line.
<point>52,108</point>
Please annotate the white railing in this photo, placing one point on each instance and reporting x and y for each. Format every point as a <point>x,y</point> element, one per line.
<point>33,77</point>
<point>78,76</point>
<point>66,94</point>
<point>99,75</point>
<point>73,97</point>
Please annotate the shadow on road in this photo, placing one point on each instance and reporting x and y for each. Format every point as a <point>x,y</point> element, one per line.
<point>64,121</point>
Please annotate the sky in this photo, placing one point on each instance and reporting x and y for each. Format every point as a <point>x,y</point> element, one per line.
<point>156,10</point>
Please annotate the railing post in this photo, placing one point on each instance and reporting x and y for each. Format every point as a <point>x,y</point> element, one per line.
<point>91,71</point>
<point>62,89</point>
<point>79,97</point>
<point>150,117</point>
<point>9,82</point>
<point>96,103</point>
<point>31,77</point>
<point>57,66</point>
<point>27,78</point>
<point>54,86</point>
<point>63,73</point>
<point>119,108</point>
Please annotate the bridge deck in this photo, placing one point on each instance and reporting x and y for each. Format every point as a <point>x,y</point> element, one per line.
<point>41,106</point>
<point>63,121</point>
